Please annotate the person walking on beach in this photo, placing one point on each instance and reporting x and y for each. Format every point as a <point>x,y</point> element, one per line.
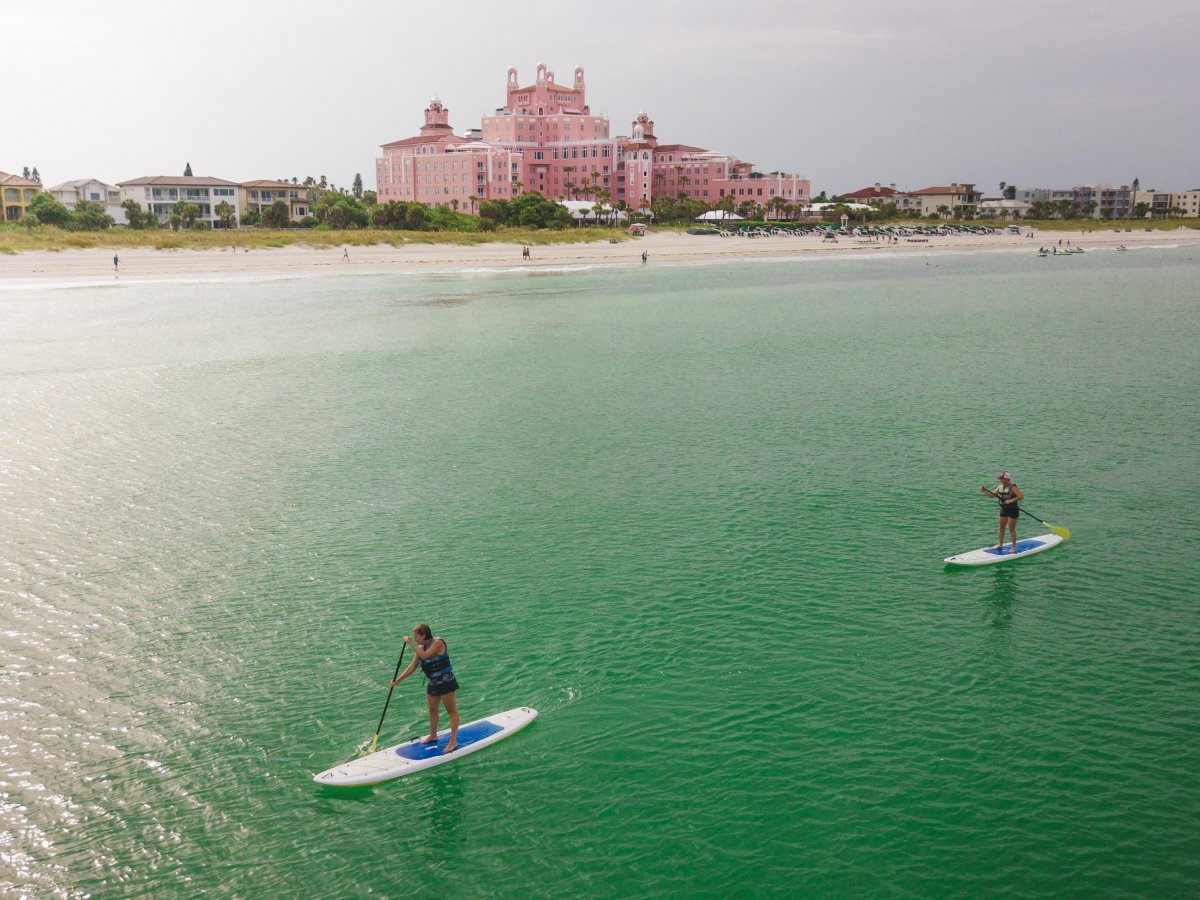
<point>116,263</point>
<point>1010,497</point>
<point>645,256</point>
<point>434,659</point>
<point>345,254</point>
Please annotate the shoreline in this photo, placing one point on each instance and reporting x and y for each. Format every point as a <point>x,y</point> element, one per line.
<point>83,267</point>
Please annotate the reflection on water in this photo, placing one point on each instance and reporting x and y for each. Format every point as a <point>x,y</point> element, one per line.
<point>1000,596</point>
<point>443,807</point>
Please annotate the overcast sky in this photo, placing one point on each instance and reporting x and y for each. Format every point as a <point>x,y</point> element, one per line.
<point>845,92</point>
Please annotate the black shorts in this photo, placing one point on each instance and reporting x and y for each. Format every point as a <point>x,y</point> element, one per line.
<point>1010,512</point>
<point>449,686</point>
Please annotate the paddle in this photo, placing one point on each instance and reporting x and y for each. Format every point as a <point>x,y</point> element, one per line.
<point>1063,533</point>
<point>379,728</point>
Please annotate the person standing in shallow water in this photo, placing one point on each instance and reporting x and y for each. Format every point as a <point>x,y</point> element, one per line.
<point>434,659</point>
<point>1010,497</point>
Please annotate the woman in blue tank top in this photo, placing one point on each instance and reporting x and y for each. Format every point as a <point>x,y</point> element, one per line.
<point>433,657</point>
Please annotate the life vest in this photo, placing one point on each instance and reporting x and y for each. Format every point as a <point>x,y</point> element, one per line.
<point>437,668</point>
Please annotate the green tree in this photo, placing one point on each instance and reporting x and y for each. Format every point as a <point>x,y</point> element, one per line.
<point>187,170</point>
<point>35,176</point>
<point>1010,192</point>
<point>1140,211</point>
<point>136,217</point>
<point>90,216</point>
<point>184,215</point>
<point>357,189</point>
<point>49,211</point>
<point>276,215</point>
<point>225,214</point>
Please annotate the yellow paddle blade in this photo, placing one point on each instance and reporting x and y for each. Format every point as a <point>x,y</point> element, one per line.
<point>371,747</point>
<point>1063,533</point>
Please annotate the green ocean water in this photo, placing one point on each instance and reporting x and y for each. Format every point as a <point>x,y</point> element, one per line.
<point>694,515</point>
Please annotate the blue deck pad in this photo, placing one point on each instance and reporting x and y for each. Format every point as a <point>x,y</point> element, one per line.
<point>468,734</point>
<point>1022,546</point>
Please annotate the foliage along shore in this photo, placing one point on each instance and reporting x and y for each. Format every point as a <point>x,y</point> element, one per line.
<point>18,238</point>
<point>15,239</point>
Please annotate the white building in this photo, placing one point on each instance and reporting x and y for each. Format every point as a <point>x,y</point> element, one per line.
<point>107,195</point>
<point>1003,208</point>
<point>160,193</point>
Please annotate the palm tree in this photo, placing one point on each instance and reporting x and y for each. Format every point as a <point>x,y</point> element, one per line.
<point>225,213</point>
<point>473,200</point>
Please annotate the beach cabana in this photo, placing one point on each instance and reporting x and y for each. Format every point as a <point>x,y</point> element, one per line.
<point>718,215</point>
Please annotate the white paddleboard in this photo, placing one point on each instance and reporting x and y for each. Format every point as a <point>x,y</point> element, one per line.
<point>986,556</point>
<point>413,756</point>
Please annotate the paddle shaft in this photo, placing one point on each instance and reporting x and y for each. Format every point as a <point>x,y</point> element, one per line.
<point>399,662</point>
<point>1062,532</point>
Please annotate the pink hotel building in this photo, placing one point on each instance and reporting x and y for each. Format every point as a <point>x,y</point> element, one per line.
<point>546,139</point>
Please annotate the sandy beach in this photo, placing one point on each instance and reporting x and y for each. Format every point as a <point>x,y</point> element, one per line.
<point>39,267</point>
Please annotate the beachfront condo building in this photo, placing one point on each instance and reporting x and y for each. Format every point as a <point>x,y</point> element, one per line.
<point>259,196</point>
<point>546,139</point>
<point>159,194</point>
<point>1163,204</point>
<point>16,191</point>
<point>950,201</point>
<point>69,193</point>
<point>880,195</point>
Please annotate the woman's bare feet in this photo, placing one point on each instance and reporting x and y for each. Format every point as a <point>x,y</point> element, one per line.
<point>432,739</point>
<point>451,747</point>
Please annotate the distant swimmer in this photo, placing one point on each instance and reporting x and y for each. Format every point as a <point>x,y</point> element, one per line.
<point>434,659</point>
<point>1010,497</point>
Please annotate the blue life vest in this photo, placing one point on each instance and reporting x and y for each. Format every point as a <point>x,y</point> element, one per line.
<point>437,668</point>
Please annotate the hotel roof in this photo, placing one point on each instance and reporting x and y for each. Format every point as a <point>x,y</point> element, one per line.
<point>17,181</point>
<point>947,189</point>
<point>428,139</point>
<point>680,148</point>
<point>190,180</point>
<point>77,183</point>
<point>872,192</point>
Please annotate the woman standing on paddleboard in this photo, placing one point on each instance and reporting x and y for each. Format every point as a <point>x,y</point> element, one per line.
<point>434,659</point>
<point>1009,496</point>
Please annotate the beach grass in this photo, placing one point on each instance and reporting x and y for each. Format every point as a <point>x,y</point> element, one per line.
<point>16,238</point>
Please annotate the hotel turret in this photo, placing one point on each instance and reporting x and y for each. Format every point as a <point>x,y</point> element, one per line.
<point>546,139</point>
